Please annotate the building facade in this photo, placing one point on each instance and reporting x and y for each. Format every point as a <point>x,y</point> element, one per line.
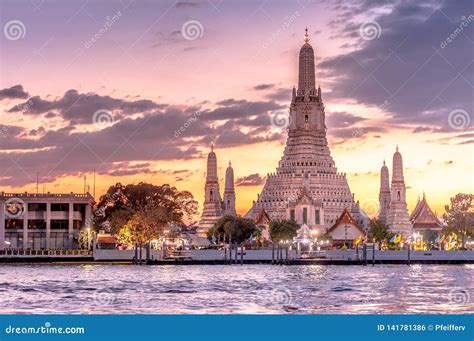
<point>43,221</point>
<point>306,186</point>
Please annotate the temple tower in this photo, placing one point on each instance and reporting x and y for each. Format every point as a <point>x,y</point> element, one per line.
<point>306,186</point>
<point>212,198</point>
<point>229,192</point>
<point>398,218</point>
<point>384,194</point>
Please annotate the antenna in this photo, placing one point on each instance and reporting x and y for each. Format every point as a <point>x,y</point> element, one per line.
<point>37,182</point>
<point>85,184</point>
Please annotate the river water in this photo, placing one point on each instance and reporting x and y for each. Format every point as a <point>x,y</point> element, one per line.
<point>248,289</point>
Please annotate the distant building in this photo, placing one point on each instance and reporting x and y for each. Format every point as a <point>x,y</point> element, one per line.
<point>214,206</point>
<point>43,221</point>
<point>423,217</point>
<point>396,217</point>
<point>384,195</point>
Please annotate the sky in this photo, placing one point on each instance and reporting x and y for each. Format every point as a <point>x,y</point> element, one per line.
<point>138,90</point>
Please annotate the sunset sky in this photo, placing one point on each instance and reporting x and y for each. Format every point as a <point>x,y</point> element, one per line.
<point>123,87</point>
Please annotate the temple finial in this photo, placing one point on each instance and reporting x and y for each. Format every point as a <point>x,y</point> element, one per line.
<point>384,162</point>
<point>306,36</point>
<point>230,163</point>
<point>212,146</point>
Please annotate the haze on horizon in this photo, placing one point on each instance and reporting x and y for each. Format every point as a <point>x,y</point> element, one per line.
<point>138,91</point>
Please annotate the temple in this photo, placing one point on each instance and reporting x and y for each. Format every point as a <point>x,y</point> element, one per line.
<point>423,218</point>
<point>397,216</point>
<point>214,206</point>
<point>384,194</point>
<point>306,186</point>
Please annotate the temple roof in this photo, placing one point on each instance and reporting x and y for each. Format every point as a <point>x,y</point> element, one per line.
<point>262,218</point>
<point>423,217</point>
<point>346,218</point>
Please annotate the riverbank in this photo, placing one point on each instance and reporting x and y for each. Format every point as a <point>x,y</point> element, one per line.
<point>264,256</point>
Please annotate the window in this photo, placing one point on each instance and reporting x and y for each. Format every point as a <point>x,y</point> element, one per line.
<point>292,214</point>
<point>59,207</point>
<point>36,207</point>
<point>59,240</point>
<point>13,240</point>
<point>398,195</point>
<point>305,215</point>
<point>57,224</point>
<point>306,118</point>
<point>317,219</point>
<point>211,195</point>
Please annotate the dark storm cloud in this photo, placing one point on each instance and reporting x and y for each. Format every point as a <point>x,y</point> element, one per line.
<point>14,92</point>
<point>408,66</point>
<point>250,180</point>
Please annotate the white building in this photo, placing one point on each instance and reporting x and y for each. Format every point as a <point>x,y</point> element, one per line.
<point>43,221</point>
<point>214,206</point>
<point>307,186</point>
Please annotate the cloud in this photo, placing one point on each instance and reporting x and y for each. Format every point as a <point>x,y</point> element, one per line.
<point>80,108</point>
<point>14,92</point>
<point>406,65</point>
<point>342,120</point>
<point>186,4</point>
<point>250,180</point>
<point>260,87</point>
<point>143,132</point>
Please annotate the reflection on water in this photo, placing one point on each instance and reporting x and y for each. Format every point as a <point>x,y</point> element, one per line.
<point>236,289</point>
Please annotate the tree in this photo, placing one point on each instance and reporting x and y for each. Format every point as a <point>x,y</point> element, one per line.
<point>177,204</point>
<point>138,213</point>
<point>459,216</point>
<point>281,230</point>
<point>379,231</point>
<point>235,229</point>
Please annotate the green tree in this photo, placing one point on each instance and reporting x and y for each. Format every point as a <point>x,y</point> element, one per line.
<point>459,216</point>
<point>281,230</point>
<point>379,231</point>
<point>235,229</point>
